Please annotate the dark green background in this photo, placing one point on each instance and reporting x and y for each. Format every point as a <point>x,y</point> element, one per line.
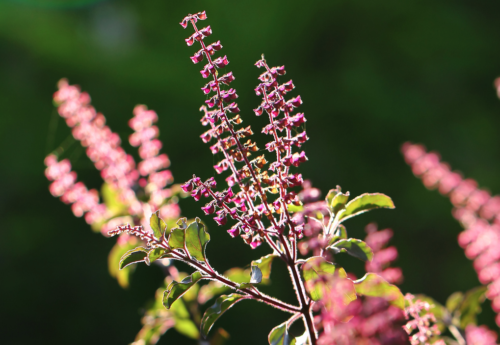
<point>372,75</point>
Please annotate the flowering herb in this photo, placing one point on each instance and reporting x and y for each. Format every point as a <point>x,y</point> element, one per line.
<point>266,203</point>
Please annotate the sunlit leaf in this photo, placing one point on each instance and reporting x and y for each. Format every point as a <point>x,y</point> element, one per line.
<point>294,208</point>
<point>187,327</point>
<point>133,256</point>
<point>177,289</point>
<point>213,313</point>
<point>353,247</point>
<point>374,285</point>
<point>314,268</point>
<point>279,335</point>
<point>111,198</point>
<point>116,253</point>
<point>197,239</point>
<point>364,203</point>
<point>264,264</point>
<point>157,253</point>
<point>215,288</point>
<point>336,200</point>
<point>340,234</point>
<point>454,301</point>
<point>177,239</point>
<point>471,306</point>
<point>157,225</point>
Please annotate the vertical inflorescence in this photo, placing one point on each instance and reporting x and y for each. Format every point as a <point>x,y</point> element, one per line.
<point>251,205</point>
<point>118,169</point>
<point>475,209</point>
<point>383,256</point>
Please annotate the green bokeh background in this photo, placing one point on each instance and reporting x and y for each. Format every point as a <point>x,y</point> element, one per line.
<point>372,75</point>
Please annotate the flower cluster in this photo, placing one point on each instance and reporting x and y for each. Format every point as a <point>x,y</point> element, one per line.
<point>64,185</point>
<point>475,208</point>
<point>250,206</point>
<point>118,169</point>
<point>424,325</point>
<point>103,146</point>
<point>382,257</point>
<point>366,320</point>
<point>145,137</point>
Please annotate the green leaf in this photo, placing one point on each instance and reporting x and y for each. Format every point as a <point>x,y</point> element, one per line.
<point>157,225</point>
<point>353,247</point>
<point>197,239</point>
<point>157,253</point>
<point>340,234</point>
<point>338,202</point>
<point>116,253</point>
<point>215,288</point>
<point>471,306</point>
<point>213,313</point>
<point>256,276</point>
<point>187,327</point>
<point>315,267</point>
<point>133,256</point>
<point>364,203</point>
<point>374,285</point>
<point>177,238</point>
<point>294,208</point>
<point>111,198</point>
<point>279,335</point>
<point>454,301</point>
<point>176,289</point>
<point>264,264</point>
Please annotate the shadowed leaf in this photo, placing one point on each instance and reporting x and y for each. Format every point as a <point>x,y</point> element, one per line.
<point>279,335</point>
<point>354,247</point>
<point>213,313</point>
<point>471,306</point>
<point>133,256</point>
<point>177,289</point>
<point>454,301</point>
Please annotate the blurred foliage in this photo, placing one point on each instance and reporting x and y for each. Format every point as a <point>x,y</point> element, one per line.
<point>372,75</point>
